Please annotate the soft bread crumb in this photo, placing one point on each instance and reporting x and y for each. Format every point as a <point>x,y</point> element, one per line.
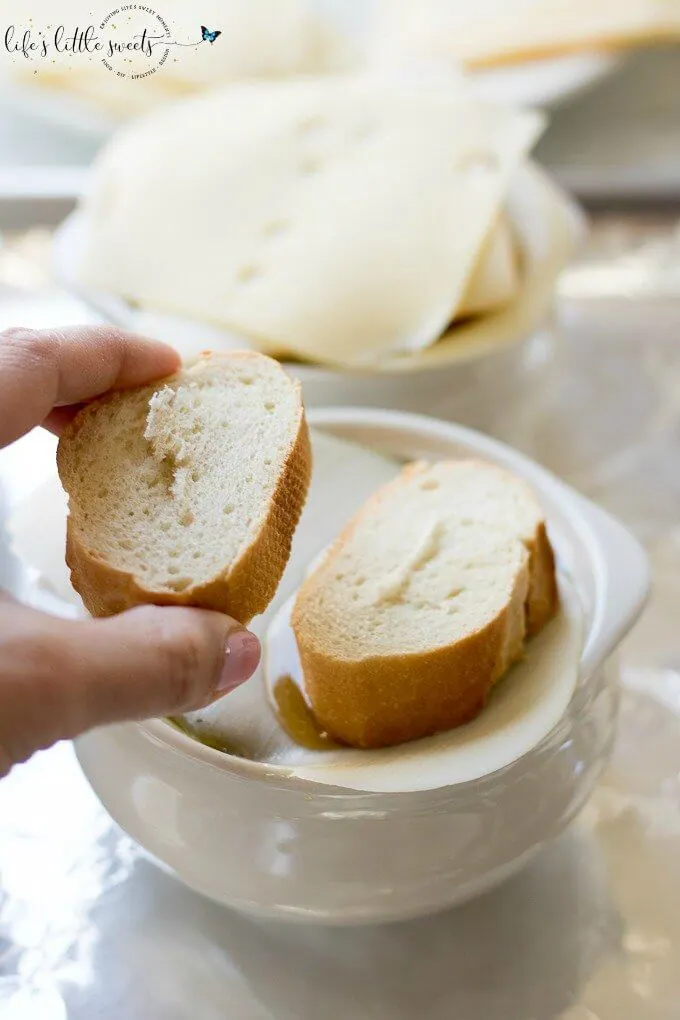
<point>392,587</point>
<point>166,428</point>
<point>423,603</point>
<point>188,492</point>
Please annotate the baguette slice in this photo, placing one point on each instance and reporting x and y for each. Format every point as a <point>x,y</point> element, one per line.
<point>423,603</point>
<point>187,492</point>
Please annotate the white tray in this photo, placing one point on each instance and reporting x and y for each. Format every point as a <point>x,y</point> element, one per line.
<point>546,84</point>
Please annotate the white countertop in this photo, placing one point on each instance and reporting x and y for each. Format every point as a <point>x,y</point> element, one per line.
<point>590,931</point>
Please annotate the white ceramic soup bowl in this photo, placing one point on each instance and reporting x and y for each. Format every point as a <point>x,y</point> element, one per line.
<point>258,838</point>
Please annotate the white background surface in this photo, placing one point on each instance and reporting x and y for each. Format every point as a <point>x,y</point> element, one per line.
<point>591,930</point>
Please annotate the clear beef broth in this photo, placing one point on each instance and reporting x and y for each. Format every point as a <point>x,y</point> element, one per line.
<point>295,717</point>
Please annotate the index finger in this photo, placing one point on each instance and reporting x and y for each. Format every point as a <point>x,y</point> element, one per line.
<point>43,369</point>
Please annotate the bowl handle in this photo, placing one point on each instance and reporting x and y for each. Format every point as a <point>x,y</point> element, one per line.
<point>623,581</point>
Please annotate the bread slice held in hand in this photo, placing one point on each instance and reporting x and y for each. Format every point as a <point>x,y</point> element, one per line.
<point>188,491</point>
<point>423,603</point>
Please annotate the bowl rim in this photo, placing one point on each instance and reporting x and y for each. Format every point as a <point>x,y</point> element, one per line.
<point>604,539</point>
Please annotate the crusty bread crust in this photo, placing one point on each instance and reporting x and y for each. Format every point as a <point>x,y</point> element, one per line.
<point>543,596</point>
<point>383,700</point>
<point>387,700</point>
<point>244,589</point>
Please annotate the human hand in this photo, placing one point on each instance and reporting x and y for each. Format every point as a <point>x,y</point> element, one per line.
<point>58,677</point>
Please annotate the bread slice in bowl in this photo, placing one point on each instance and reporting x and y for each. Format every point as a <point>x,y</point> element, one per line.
<point>423,603</point>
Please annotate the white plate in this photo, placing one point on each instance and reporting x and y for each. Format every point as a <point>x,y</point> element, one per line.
<point>545,83</point>
<point>542,83</point>
<point>74,111</point>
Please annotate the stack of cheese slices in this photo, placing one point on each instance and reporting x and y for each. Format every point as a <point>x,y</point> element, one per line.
<point>339,221</point>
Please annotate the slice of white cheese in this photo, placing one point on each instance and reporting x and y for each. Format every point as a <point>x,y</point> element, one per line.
<point>495,280</point>
<point>335,219</point>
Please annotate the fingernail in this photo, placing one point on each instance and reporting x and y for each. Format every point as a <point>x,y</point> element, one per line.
<point>240,661</point>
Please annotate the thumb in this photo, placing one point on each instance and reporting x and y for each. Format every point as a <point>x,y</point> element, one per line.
<point>59,678</point>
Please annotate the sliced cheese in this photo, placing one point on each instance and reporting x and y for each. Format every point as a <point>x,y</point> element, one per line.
<point>334,219</point>
<point>496,280</point>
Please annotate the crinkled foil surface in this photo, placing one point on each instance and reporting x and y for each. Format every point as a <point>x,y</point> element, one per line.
<point>589,931</point>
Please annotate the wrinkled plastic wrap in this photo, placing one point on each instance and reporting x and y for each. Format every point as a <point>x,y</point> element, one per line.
<point>589,931</point>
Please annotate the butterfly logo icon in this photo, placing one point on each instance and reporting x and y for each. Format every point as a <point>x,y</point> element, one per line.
<point>209,36</point>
